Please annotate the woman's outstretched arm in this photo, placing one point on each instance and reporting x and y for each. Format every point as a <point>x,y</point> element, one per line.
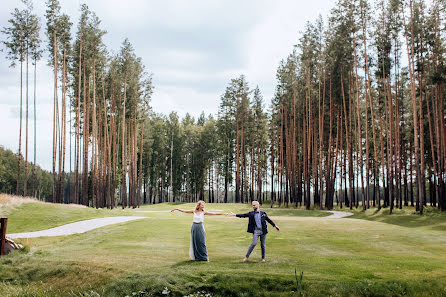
<point>182,210</point>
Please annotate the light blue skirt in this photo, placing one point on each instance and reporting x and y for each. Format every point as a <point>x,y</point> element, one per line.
<point>198,250</point>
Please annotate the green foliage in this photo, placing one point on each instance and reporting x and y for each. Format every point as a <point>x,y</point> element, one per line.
<point>299,285</point>
<point>15,37</point>
<point>58,32</point>
<point>8,176</point>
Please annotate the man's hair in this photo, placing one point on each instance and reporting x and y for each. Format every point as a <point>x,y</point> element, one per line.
<point>255,201</point>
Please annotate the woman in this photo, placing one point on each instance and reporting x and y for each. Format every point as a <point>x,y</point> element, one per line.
<point>198,250</point>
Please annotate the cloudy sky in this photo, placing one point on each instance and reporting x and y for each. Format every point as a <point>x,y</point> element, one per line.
<point>193,48</point>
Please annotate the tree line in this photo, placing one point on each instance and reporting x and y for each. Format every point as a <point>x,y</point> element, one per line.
<point>357,117</point>
<point>100,102</point>
<point>190,159</point>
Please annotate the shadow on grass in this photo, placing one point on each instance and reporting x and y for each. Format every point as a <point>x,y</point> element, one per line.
<point>186,263</point>
<point>432,219</point>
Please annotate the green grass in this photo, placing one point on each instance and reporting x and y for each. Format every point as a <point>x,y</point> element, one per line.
<point>39,216</point>
<point>366,255</point>
<point>432,219</point>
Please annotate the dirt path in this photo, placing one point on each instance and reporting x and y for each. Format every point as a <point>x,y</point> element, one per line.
<point>75,228</point>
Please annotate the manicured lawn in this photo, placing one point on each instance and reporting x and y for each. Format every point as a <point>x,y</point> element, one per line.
<point>366,255</point>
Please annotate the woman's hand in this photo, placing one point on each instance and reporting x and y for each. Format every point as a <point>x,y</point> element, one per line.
<point>174,209</point>
<point>230,214</point>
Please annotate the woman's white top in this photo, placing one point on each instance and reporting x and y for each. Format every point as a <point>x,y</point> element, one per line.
<point>198,217</point>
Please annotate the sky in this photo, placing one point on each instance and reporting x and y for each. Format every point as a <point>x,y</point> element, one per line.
<point>193,49</point>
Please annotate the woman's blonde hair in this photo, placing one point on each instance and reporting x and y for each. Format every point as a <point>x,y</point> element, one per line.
<point>197,207</point>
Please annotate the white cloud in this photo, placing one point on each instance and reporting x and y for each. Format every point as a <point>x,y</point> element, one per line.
<point>184,100</point>
<point>273,38</point>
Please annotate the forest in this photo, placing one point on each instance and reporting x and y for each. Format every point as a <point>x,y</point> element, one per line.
<point>357,118</point>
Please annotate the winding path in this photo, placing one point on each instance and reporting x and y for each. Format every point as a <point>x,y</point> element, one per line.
<point>338,214</point>
<point>75,228</point>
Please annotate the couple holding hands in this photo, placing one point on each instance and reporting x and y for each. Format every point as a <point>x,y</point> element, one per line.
<point>256,226</point>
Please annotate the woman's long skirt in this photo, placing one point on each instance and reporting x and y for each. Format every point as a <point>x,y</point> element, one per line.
<point>198,250</point>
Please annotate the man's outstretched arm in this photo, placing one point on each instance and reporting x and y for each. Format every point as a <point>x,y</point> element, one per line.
<point>239,215</point>
<point>271,222</point>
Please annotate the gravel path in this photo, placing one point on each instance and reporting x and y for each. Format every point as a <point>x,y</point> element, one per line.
<point>338,214</point>
<point>75,228</point>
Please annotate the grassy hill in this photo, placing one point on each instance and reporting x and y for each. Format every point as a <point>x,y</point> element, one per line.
<point>369,254</point>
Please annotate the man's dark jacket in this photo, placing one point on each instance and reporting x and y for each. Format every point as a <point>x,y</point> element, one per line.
<point>252,222</point>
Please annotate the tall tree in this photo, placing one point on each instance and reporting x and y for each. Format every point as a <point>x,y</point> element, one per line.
<point>16,50</point>
<point>36,54</point>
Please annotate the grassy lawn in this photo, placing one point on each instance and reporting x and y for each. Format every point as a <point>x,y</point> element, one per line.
<point>368,254</point>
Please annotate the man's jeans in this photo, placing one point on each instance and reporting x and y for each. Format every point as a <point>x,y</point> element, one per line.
<point>255,237</point>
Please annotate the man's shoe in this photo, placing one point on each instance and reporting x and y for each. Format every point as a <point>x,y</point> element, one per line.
<point>263,260</point>
<point>245,260</point>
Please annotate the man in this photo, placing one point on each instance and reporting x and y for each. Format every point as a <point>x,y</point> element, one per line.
<point>256,226</point>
